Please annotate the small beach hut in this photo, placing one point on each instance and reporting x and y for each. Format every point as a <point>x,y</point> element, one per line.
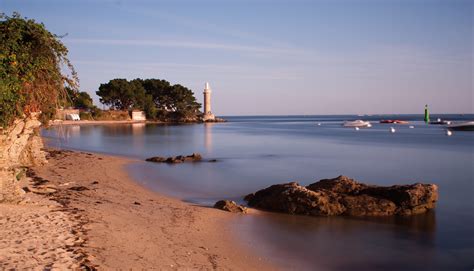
<point>138,115</point>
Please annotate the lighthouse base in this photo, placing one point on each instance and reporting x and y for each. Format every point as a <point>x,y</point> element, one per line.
<point>208,117</point>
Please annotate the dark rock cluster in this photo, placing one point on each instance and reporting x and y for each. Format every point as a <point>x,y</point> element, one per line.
<point>344,196</point>
<point>195,157</point>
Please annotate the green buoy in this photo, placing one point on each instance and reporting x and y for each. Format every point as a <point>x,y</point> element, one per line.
<point>427,114</point>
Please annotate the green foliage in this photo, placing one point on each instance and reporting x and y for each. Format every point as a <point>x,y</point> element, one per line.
<point>149,107</point>
<point>81,100</point>
<point>85,116</point>
<point>121,94</point>
<point>30,69</point>
<point>96,113</point>
<point>158,98</point>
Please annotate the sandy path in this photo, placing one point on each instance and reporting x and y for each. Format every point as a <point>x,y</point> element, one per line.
<point>127,226</point>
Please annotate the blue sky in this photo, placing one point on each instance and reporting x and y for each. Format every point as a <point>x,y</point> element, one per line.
<point>275,56</point>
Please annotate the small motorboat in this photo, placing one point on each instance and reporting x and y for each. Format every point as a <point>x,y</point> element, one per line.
<point>357,123</point>
<point>440,122</point>
<point>462,126</point>
<point>394,121</point>
<point>401,122</point>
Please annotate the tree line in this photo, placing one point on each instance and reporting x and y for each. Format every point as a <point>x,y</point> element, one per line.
<point>157,98</point>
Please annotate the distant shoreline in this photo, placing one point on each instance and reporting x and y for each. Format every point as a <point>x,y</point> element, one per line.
<point>95,122</point>
<point>110,122</point>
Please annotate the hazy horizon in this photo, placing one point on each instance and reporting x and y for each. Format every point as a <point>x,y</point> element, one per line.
<point>276,57</point>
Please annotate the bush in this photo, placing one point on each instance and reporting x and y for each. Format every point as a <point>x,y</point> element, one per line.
<point>31,79</point>
<point>111,115</point>
<point>96,112</point>
<point>86,116</point>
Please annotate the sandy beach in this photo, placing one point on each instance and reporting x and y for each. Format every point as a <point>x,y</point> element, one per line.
<point>83,210</point>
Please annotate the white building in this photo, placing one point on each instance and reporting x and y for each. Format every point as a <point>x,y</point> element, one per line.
<point>138,115</point>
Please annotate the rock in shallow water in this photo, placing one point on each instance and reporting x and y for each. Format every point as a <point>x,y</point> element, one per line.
<point>230,206</point>
<point>344,196</point>
<point>195,157</point>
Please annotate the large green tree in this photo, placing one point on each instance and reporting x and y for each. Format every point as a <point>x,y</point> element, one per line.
<point>121,94</point>
<point>83,100</point>
<point>180,102</point>
<point>32,61</point>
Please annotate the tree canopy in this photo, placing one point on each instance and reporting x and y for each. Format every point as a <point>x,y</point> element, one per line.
<point>31,59</point>
<point>81,100</point>
<point>158,98</point>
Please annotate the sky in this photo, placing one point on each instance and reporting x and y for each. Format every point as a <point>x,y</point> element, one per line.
<point>276,57</point>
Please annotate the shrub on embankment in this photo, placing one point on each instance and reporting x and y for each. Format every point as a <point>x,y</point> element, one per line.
<point>31,64</point>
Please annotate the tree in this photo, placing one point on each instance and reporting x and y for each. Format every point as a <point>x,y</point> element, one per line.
<point>83,101</point>
<point>77,99</point>
<point>172,101</point>
<point>149,108</point>
<point>181,101</point>
<point>121,94</point>
<point>31,79</point>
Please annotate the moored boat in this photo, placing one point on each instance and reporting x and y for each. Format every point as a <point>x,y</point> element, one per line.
<point>462,126</point>
<point>357,123</point>
<point>440,122</point>
<point>394,121</point>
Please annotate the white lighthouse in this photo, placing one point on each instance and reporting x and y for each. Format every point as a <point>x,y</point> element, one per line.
<point>208,116</point>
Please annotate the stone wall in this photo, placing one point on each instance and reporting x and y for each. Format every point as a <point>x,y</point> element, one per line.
<point>20,146</point>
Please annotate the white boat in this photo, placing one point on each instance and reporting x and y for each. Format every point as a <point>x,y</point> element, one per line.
<point>357,123</point>
<point>462,126</point>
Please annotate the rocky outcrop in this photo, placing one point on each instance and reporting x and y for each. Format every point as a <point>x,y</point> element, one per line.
<point>344,196</point>
<point>20,146</point>
<point>230,206</point>
<point>195,157</point>
<point>214,120</point>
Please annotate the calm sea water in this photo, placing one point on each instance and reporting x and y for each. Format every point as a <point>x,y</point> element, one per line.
<point>255,152</point>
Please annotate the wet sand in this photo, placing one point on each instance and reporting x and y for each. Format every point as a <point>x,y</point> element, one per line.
<point>90,213</point>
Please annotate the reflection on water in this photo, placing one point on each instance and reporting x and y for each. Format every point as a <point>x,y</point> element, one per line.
<point>138,129</point>
<point>339,243</point>
<point>254,153</point>
<point>208,136</point>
